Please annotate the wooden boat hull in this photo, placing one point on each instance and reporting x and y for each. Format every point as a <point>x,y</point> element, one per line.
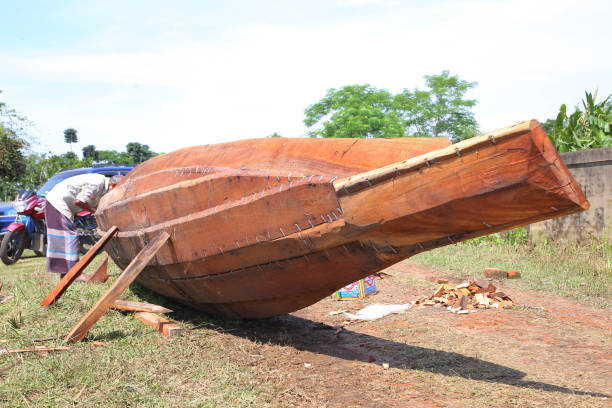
<point>265,227</point>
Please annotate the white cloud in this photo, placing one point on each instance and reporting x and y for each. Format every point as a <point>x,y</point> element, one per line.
<point>527,56</point>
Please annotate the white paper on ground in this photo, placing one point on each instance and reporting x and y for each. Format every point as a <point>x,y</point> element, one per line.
<point>376,311</point>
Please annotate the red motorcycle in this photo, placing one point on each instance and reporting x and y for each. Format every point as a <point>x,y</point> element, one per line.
<point>27,231</point>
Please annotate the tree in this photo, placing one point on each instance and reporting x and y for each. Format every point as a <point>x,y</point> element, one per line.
<point>89,151</point>
<point>354,111</point>
<point>365,111</point>
<point>12,147</point>
<point>586,129</point>
<point>12,160</point>
<point>138,152</point>
<point>441,110</point>
<point>275,134</point>
<point>70,137</point>
<point>114,157</point>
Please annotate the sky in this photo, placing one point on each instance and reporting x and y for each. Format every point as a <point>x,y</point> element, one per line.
<point>183,73</point>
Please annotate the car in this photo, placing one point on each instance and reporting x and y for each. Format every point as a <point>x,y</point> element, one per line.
<point>8,214</point>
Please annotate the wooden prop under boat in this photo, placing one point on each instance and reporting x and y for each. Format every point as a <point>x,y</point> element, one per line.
<point>268,226</point>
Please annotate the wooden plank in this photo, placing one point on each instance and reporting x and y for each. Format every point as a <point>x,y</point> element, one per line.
<point>78,268</point>
<point>125,279</point>
<point>101,274</point>
<point>363,180</point>
<point>139,307</point>
<point>166,327</point>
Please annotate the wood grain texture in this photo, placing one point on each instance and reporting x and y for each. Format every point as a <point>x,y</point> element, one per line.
<point>165,326</point>
<point>261,228</point>
<point>131,306</point>
<point>76,270</point>
<point>117,288</point>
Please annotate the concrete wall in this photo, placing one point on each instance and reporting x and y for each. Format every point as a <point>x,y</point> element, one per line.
<point>592,169</point>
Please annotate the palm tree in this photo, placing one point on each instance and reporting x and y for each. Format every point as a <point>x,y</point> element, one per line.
<point>70,136</point>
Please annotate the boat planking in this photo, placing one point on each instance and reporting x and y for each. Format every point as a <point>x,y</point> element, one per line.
<point>268,226</point>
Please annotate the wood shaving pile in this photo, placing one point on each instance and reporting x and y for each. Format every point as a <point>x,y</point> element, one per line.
<point>467,297</point>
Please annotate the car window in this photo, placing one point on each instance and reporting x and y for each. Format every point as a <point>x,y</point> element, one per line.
<point>108,173</point>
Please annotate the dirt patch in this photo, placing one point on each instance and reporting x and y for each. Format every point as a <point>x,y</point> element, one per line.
<point>548,351</point>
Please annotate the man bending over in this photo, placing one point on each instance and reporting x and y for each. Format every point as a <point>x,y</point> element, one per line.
<point>64,201</point>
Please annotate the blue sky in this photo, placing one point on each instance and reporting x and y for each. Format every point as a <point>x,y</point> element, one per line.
<point>175,74</point>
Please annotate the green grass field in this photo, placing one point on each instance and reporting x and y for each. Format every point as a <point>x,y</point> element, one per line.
<point>138,368</point>
<point>208,366</point>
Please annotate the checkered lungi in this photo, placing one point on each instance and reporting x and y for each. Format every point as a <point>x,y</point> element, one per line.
<point>62,241</point>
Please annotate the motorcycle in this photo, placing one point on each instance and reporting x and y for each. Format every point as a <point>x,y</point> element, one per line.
<point>27,231</point>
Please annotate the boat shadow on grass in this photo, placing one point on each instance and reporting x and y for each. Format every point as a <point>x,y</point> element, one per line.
<point>321,338</point>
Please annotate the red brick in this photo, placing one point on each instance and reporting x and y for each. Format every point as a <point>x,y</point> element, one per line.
<point>495,273</point>
<point>513,274</point>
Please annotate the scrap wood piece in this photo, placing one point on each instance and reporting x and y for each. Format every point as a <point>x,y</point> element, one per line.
<point>123,281</point>
<point>35,349</point>
<point>101,274</point>
<point>78,268</point>
<point>129,306</point>
<point>465,297</point>
<point>166,327</point>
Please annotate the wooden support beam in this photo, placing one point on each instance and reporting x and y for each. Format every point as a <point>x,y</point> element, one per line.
<point>139,307</point>
<point>78,268</point>
<point>101,274</point>
<point>123,281</point>
<point>166,327</point>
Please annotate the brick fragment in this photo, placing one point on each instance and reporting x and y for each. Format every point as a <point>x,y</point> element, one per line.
<point>514,274</point>
<point>494,273</point>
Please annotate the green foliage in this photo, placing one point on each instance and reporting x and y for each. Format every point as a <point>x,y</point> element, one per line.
<point>584,129</point>
<point>275,134</point>
<point>38,169</point>
<point>139,152</point>
<point>12,160</point>
<point>354,111</point>
<point>89,151</point>
<point>12,147</point>
<point>114,157</point>
<point>517,236</point>
<point>441,110</point>
<point>70,136</point>
<point>365,111</point>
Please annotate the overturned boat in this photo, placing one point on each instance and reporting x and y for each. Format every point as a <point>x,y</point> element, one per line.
<point>268,226</point>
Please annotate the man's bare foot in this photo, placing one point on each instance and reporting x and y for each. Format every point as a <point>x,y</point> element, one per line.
<point>83,277</point>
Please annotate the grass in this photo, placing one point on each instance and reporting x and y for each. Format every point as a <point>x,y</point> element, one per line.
<point>261,363</point>
<point>582,272</point>
<point>138,367</point>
